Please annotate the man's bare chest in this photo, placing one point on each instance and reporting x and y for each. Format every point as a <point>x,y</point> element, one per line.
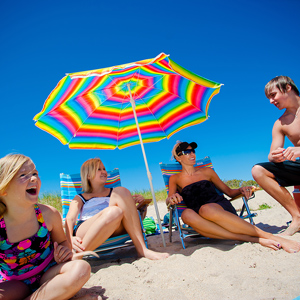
<point>291,129</point>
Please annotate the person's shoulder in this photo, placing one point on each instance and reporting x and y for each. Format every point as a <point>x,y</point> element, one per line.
<point>208,170</point>
<point>278,124</point>
<point>50,213</point>
<point>79,197</point>
<point>48,210</point>
<point>208,173</point>
<point>284,118</point>
<point>175,177</point>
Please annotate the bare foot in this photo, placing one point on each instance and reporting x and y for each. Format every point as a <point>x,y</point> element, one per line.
<point>288,245</point>
<point>292,229</point>
<point>269,243</point>
<point>153,255</point>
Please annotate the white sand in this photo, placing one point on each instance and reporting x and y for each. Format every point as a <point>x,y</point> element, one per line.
<point>206,269</point>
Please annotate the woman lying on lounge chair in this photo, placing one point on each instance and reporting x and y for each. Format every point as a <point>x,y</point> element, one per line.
<point>112,212</point>
<point>209,213</point>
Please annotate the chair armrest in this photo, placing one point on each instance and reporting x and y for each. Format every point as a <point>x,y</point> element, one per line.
<point>171,206</point>
<point>143,203</point>
<point>254,189</point>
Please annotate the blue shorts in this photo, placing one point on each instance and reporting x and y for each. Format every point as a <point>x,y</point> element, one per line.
<point>286,173</point>
<point>77,226</point>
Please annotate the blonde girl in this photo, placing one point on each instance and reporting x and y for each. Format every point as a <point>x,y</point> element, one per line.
<point>104,212</point>
<point>35,257</point>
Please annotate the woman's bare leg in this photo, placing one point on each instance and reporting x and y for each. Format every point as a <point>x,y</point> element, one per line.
<point>96,230</point>
<point>122,198</point>
<point>216,214</point>
<point>213,230</point>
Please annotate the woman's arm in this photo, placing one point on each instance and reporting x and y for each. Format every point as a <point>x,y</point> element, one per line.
<point>138,198</point>
<point>72,216</point>
<point>220,185</point>
<point>173,196</point>
<point>53,220</point>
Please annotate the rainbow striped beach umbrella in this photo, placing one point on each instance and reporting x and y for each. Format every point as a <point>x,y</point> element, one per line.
<point>125,105</point>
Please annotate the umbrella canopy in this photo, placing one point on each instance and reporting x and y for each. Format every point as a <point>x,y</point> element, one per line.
<point>125,105</point>
<point>91,109</point>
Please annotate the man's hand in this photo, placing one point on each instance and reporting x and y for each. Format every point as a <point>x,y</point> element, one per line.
<point>291,153</point>
<point>277,155</point>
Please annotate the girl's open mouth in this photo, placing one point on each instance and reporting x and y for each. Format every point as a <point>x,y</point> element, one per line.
<point>31,191</point>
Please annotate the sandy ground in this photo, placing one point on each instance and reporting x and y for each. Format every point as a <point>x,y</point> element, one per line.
<point>206,269</point>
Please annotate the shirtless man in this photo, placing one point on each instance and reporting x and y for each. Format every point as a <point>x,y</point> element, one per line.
<point>283,168</point>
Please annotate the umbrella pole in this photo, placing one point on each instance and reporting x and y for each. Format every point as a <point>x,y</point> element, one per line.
<point>147,168</point>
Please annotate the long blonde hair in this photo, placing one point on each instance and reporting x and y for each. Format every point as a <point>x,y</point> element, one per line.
<point>9,166</point>
<point>87,172</point>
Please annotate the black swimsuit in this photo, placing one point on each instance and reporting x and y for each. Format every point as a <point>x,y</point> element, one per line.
<point>202,192</point>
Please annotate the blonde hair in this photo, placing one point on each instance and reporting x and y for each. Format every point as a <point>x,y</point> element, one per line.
<point>174,154</point>
<point>87,172</point>
<point>281,82</point>
<point>9,166</point>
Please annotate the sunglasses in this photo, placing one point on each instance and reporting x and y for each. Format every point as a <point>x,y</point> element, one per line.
<point>187,152</point>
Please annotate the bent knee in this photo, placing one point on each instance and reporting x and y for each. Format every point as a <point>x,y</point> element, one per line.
<point>188,215</point>
<point>122,191</point>
<point>208,211</point>
<point>258,171</point>
<point>121,195</point>
<point>114,213</point>
<point>80,271</point>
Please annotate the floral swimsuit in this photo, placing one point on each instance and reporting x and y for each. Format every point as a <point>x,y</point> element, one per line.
<point>29,259</point>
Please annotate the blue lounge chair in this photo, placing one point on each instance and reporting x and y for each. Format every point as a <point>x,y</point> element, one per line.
<point>176,210</point>
<point>70,186</point>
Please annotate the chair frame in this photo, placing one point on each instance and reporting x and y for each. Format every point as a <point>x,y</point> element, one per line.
<point>175,210</point>
<point>70,185</point>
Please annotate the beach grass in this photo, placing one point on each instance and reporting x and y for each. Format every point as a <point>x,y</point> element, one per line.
<point>160,195</point>
<point>237,183</point>
<point>54,199</point>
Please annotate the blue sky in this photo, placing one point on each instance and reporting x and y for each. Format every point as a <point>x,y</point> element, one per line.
<point>242,44</point>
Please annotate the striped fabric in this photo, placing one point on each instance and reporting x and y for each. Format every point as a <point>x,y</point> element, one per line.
<point>92,109</point>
